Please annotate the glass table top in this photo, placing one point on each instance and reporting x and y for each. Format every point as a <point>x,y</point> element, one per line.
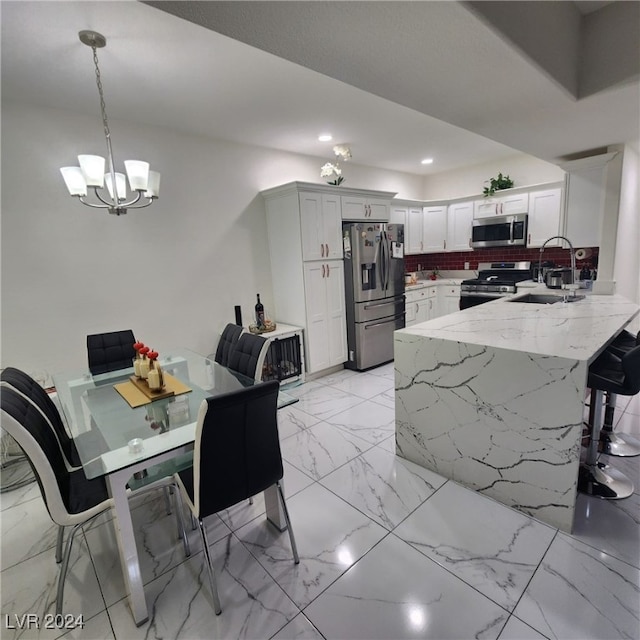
<point>103,424</point>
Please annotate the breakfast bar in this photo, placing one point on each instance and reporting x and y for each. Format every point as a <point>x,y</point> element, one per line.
<point>492,397</point>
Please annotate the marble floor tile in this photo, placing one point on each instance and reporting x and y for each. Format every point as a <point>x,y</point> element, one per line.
<point>386,398</point>
<point>30,587</point>
<point>304,388</point>
<point>389,444</point>
<point>159,548</point>
<point>611,526</point>
<point>517,630</point>
<point>322,402</point>
<point>291,420</point>
<point>365,385</point>
<point>368,420</point>
<point>396,592</point>
<point>180,603</point>
<point>27,530</point>
<point>491,547</point>
<point>384,370</point>
<point>294,480</point>
<point>15,496</point>
<point>336,378</point>
<point>96,628</point>
<point>382,485</point>
<point>331,536</point>
<point>579,592</point>
<point>321,449</point>
<point>298,629</point>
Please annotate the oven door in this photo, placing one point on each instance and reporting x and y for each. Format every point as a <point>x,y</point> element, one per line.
<point>473,300</point>
<point>500,231</point>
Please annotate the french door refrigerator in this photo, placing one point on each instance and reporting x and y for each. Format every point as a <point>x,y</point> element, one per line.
<point>374,290</point>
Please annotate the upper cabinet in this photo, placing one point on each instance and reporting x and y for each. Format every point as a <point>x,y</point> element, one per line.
<point>425,229</point>
<point>459,220</point>
<point>501,205</point>
<point>365,208</point>
<point>320,226</point>
<point>587,191</point>
<point>544,220</point>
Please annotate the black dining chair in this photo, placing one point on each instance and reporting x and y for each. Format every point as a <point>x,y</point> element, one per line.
<point>71,499</point>
<point>236,455</point>
<point>110,351</point>
<point>25,386</point>
<point>248,355</point>
<point>228,340</point>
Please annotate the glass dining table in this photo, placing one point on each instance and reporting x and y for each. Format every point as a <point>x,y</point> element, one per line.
<point>135,445</point>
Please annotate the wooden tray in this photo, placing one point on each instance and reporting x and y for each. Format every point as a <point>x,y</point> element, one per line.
<point>137,393</point>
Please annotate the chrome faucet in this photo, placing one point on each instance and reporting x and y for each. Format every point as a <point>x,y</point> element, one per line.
<point>572,254</point>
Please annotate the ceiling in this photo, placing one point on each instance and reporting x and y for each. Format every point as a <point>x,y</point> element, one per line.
<point>399,81</point>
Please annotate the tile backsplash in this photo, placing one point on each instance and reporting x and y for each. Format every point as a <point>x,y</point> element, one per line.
<point>456,260</point>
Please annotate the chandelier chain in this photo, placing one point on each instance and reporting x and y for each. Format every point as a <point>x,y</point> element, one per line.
<point>103,107</point>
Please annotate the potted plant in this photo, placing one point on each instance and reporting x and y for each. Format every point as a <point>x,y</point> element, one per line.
<point>496,184</point>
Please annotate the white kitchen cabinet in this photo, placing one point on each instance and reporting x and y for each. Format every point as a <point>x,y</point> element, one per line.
<point>448,299</point>
<point>434,229</point>
<point>362,208</point>
<point>587,181</point>
<point>398,215</point>
<point>502,205</point>
<point>420,305</point>
<point>413,231</point>
<point>459,220</point>
<point>324,297</point>
<point>544,219</point>
<point>321,226</point>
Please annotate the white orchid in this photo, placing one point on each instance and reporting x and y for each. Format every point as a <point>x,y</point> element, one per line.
<point>330,170</point>
<point>342,151</point>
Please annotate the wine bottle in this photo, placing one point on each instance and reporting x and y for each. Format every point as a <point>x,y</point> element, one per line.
<point>259,313</point>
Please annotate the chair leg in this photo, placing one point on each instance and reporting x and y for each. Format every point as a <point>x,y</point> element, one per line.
<point>294,547</point>
<point>212,577</point>
<point>167,499</point>
<point>194,522</point>
<point>182,533</point>
<point>64,568</point>
<point>59,542</point>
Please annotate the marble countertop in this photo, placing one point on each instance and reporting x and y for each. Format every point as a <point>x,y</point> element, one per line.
<point>430,283</point>
<point>577,330</point>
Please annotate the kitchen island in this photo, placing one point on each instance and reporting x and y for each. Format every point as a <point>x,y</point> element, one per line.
<point>493,396</point>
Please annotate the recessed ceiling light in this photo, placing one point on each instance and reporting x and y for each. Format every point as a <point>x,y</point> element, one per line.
<point>325,137</point>
<point>427,161</point>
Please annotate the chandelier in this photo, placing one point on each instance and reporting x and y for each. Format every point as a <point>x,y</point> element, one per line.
<point>91,172</point>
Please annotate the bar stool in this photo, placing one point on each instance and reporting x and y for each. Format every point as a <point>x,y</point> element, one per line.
<point>614,375</point>
<point>618,444</point>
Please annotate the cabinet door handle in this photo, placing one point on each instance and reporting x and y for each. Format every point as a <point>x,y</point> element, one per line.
<point>328,271</point>
<point>321,250</point>
<point>445,245</point>
<point>326,253</point>
<point>529,239</point>
<point>323,271</point>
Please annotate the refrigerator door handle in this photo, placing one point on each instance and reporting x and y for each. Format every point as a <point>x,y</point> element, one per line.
<point>379,324</point>
<point>380,304</point>
<point>383,260</point>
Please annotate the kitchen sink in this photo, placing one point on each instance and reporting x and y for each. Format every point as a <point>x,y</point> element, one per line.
<point>541,298</point>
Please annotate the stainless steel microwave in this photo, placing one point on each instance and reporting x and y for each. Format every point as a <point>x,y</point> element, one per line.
<point>499,231</point>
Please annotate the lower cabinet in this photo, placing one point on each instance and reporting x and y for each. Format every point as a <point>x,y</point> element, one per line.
<point>326,315</point>
<point>450,300</point>
<point>420,305</point>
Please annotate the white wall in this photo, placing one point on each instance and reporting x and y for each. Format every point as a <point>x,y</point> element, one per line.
<point>627,257</point>
<point>172,272</point>
<point>523,169</point>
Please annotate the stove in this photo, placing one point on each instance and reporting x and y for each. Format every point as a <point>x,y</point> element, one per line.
<point>495,280</point>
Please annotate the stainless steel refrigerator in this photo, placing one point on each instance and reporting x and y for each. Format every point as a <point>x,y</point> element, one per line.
<point>374,290</point>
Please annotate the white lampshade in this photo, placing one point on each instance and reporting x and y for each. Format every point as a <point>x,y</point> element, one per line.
<point>74,179</point>
<point>121,185</point>
<point>138,174</point>
<point>153,188</point>
<point>93,170</point>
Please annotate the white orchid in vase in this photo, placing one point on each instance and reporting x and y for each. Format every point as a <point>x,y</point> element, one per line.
<point>332,170</point>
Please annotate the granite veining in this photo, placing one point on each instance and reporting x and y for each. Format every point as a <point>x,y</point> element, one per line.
<point>492,397</point>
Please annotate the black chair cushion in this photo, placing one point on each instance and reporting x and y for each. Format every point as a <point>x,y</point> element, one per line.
<point>110,351</point>
<point>26,385</point>
<point>624,342</point>
<point>244,357</point>
<point>227,343</point>
<point>239,448</point>
<point>77,492</point>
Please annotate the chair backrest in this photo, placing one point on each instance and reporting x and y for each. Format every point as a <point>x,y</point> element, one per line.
<point>631,368</point>
<point>24,422</point>
<point>248,355</point>
<point>237,450</point>
<point>26,386</point>
<point>110,351</point>
<point>227,343</point>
